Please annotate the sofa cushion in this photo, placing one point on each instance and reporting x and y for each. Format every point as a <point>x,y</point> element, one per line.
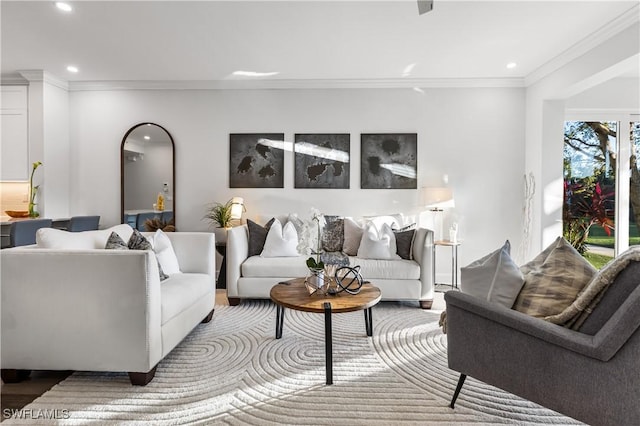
<point>404,243</point>
<point>378,243</point>
<point>281,241</point>
<point>401,269</point>
<point>257,236</point>
<point>52,238</point>
<point>495,277</point>
<point>115,242</point>
<point>165,254</point>
<point>553,280</point>
<point>332,238</point>
<point>280,267</point>
<point>181,291</point>
<point>352,236</point>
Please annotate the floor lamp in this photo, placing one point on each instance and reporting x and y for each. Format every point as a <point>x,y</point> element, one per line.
<point>436,200</point>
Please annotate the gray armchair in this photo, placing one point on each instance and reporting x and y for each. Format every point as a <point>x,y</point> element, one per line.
<point>592,374</point>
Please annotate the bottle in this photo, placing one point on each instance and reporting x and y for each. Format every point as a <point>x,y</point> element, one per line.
<point>160,202</point>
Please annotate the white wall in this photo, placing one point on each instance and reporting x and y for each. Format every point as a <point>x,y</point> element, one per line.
<point>474,136</point>
<point>621,94</point>
<point>545,113</point>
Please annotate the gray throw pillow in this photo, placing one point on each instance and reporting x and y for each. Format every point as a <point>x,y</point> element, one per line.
<point>404,243</point>
<point>257,236</point>
<point>333,234</point>
<point>136,242</point>
<point>494,277</point>
<point>115,242</point>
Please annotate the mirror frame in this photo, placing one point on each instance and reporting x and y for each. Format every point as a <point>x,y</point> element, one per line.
<point>173,167</point>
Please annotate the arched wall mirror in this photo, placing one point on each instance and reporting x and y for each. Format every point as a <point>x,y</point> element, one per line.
<point>147,170</point>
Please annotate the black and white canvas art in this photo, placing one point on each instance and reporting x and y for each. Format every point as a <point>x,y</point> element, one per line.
<point>256,160</point>
<point>388,160</point>
<point>322,160</point>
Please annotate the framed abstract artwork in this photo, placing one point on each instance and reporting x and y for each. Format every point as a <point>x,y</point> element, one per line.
<point>322,160</point>
<point>256,160</point>
<point>388,161</point>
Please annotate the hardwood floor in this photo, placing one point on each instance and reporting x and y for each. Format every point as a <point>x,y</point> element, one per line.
<point>14,396</point>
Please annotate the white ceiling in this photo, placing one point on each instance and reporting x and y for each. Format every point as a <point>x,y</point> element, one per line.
<point>300,40</point>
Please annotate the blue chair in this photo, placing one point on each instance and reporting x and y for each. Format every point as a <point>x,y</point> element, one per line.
<point>167,216</point>
<point>142,218</point>
<point>83,223</point>
<point>23,233</point>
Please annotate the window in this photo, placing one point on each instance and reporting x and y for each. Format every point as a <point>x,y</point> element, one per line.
<point>601,209</point>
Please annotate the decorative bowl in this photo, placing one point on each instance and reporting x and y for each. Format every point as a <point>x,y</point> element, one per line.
<point>17,213</point>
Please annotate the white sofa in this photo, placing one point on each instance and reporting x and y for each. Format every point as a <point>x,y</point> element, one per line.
<point>252,277</point>
<point>101,310</point>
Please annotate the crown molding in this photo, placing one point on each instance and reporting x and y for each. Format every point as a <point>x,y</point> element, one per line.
<point>404,83</point>
<point>40,76</point>
<point>610,29</point>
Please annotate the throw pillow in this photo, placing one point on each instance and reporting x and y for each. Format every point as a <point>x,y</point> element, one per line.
<point>257,236</point>
<point>87,240</point>
<point>352,236</point>
<point>553,280</point>
<point>333,234</point>
<point>136,242</point>
<point>404,243</point>
<point>494,277</point>
<point>378,244</point>
<point>115,242</point>
<point>281,241</point>
<point>165,254</point>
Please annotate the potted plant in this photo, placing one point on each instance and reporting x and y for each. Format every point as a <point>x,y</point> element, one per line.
<point>219,215</point>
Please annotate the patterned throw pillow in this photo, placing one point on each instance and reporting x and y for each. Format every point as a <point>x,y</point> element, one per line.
<point>136,242</point>
<point>553,280</point>
<point>333,234</point>
<point>257,236</point>
<point>115,242</point>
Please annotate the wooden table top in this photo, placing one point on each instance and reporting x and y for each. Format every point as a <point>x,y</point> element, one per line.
<point>296,296</point>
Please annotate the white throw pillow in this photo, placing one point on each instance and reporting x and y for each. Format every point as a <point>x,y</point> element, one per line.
<point>281,241</point>
<point>494,278</point>
<point>352,236</point>
<point>52,238</point>
<point>165,254</point>
<point>378,244</point>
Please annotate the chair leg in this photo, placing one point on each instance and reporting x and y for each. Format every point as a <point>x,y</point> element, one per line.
<point>458,388</point>
<point>234,301</point>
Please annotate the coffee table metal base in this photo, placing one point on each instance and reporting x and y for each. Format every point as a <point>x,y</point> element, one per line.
<point>328,338</point>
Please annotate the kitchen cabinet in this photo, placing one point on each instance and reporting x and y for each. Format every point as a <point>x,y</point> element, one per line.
<point>15,135</point>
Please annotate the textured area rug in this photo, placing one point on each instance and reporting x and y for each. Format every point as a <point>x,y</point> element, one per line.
<point>233,371</point>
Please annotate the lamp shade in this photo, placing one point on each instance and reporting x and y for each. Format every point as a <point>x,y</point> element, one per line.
<point>237,207</point>
<point>438,198</point>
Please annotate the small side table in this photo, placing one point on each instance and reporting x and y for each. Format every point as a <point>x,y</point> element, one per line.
<point>454,260</point>
<point>222,275</point>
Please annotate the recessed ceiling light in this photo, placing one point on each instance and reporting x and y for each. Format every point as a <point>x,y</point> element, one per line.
<point>511,65</point>
<point>147,138</point>
<point>72,68</point>
<point>65,7</point>
<point>254,73</point>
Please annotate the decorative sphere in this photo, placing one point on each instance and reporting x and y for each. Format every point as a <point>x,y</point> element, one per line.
<point>349,279</point>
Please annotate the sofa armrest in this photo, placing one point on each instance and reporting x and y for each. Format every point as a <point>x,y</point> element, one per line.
<point>423,254</point>
<point>84,309</point>
<point>237,253</point>
<point>463,308</point>
<point>196,251</point>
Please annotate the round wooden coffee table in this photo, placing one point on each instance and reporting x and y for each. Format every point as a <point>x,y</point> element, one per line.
<point>294,295</point>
